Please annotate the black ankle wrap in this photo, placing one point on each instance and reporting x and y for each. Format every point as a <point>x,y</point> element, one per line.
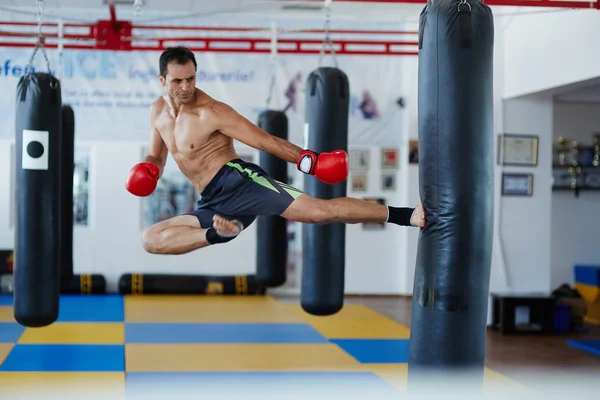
<point>400,215</point>
<point>213,237</point>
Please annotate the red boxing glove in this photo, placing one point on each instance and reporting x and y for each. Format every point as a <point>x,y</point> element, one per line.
<point>330,168</point>
<point>142,179</point>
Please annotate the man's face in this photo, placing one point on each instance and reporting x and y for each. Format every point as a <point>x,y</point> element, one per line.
<point>180,81</point>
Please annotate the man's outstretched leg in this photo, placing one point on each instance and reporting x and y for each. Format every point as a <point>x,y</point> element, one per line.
<point>350,210</point>
<point>183,234</point>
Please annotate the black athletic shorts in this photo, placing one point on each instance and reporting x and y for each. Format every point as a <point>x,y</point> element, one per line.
<point>242,190</point>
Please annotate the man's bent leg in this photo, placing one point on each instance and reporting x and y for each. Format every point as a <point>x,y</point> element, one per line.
<point>350,210</point>
<point>183,234</point>
<point>177,235</point>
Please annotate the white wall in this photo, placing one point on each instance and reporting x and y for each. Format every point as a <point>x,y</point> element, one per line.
<point>6,234</point>
<point>498,276</point>
<point>547,50</point>
<point>110,245</point>
<point>541,237</point>
<point>377,262</point>
<point>575,220</point>
<point>526,225</point>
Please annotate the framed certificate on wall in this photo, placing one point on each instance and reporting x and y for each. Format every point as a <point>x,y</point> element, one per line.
<point>518,150</point>
<point>517,184</point>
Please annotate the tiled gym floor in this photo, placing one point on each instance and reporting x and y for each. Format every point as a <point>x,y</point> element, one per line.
<point>111,346</point>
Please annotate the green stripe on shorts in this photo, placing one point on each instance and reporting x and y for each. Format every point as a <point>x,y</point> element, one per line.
<point>261,180</point>
<point>292,191</point>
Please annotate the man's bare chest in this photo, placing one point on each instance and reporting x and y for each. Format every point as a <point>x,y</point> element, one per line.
<point>181,133</point>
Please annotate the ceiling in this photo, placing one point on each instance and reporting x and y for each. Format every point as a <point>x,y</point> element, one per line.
<point>310,9</point>
<point>371,10</point>
<point>586,91</point>
<point>589,94</point>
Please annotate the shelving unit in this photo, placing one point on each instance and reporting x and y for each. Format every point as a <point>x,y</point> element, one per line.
<point>576,178</point>
<point>576,166</point>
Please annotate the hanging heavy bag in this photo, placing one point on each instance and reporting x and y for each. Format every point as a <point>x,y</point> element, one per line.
<point>38,123</point>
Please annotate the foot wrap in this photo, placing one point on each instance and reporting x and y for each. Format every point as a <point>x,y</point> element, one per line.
<point>400,215</point>
<point>213,237</point>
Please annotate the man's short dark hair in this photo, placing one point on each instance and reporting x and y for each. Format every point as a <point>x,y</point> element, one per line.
<point>178,54</point>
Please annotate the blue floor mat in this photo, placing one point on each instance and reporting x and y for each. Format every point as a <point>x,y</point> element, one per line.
<point>591,346</point>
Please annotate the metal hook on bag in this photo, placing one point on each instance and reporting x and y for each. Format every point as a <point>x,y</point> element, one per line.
<point>463,2</point>
<point>39,44</point>
<point>327,39</point>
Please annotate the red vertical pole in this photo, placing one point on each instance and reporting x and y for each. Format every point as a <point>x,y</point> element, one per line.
<point>113,11</point>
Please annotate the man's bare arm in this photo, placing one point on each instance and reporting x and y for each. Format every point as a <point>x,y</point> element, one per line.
<point>157,149</point>
<point>228,121</point>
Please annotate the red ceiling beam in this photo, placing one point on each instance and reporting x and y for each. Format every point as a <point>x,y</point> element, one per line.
<point>103,35</point>
<point>112,34</point>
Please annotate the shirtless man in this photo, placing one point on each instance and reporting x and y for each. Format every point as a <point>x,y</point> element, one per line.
<point>198,131</point>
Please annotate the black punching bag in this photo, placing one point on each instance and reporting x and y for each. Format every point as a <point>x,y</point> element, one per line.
<point>271,230</point>
<point>324,246</point>
<point>456,178</point>
<point>67,166</point>
<point>38,129</point>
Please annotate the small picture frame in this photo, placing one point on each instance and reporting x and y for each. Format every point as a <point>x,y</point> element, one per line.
<point>517,184</point>
<point>518,150</point>
<point>413,151</point>
<point>388,182</point>
<point>359,159</point>
<point>389,158</point>
<point>374,225</point>
<point>359,183</point>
